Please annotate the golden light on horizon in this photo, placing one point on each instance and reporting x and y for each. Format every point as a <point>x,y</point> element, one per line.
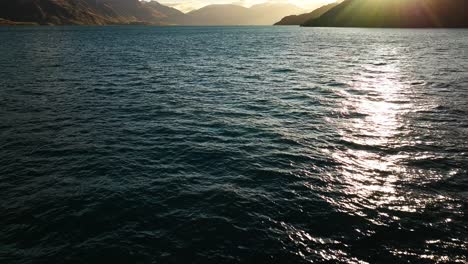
<point>189,5</point>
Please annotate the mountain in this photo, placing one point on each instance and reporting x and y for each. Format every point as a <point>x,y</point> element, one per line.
<point>166,10</point>
<point>269,13</point>
<point>300,19</point>
<point>53,12</point>
<point>168,15</point>
<point>395,13</point>
<point>108,12</point>
<point>84,12</point>
<point>228,14</point>
<point>217,15</point>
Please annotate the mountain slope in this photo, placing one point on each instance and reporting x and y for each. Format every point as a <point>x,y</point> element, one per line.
<point>269,13</point>
<point>395,13</point>
<point>54,12</point>
<point>163,9</point>
<point>300,19</point>
<point>84,12</point>
<point>4,22</point>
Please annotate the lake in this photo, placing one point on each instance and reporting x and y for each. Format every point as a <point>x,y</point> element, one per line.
<point>127,144</point>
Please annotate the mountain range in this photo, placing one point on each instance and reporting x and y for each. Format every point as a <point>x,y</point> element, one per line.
<point>108,12</point>
<point>395,13</point>
<point>261,14</point>
<point>302,18</point>
<point>346,13</point>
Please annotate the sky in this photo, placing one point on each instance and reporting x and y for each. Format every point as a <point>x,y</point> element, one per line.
<point>188,5</point>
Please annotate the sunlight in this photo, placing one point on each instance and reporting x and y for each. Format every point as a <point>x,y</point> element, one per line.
<point>377,106</point>
<point>187,6</point>
<point>370,116</point>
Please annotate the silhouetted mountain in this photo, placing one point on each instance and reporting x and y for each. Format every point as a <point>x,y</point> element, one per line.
<point>217,15</point>
<point>84,12</point>
<point>300,19</point>
<point>166,10</point>
<point>262,14</point>
<point>395,13</point>
<point>105,12</point>
<point>269,13</point>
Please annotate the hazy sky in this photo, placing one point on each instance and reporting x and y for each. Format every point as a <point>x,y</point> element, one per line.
<point>187,5</point>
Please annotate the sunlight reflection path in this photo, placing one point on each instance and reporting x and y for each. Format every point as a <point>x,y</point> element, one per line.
<point>370,124</point>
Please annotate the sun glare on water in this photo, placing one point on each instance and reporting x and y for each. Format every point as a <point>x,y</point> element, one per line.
<point>369,119</point>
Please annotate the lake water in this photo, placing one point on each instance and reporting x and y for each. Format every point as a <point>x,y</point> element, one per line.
<point>233,145</point>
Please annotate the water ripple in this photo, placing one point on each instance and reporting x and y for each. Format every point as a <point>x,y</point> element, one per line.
<point>233,145</point>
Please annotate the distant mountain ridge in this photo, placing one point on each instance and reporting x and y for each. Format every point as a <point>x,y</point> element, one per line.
<point>300,19</point>
<point>108,12</point>
<point>395,13</point>
<point>228,14</point>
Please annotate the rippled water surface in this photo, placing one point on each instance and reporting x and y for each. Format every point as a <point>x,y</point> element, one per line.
<point>233,145</point>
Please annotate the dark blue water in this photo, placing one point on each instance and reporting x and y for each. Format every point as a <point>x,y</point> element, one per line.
<point>233,145</point>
